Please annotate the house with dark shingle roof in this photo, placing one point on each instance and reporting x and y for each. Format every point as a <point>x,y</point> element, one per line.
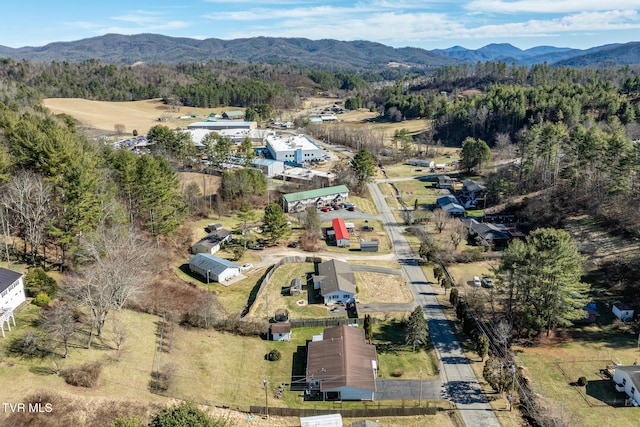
<point>341,365</point>
<point>336,282</point>
<point>11,290</point>
<point>212,242</point>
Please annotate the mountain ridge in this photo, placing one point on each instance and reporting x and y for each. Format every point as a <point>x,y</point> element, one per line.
<point>323,53</point>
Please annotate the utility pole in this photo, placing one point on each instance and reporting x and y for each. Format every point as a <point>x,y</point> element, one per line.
<point>513,386</point>
<point>420,401</point>
<point>265,382</point>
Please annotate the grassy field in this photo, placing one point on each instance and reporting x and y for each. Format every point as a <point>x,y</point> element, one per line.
<point>555,363</point>
<point>378,287</point>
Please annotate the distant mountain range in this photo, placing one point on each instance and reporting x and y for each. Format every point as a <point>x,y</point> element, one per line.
<point>327,53</point>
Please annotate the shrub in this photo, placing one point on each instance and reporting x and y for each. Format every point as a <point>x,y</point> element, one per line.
<point>185,414</point>
<point>397,373</point>
<point>36,281</point>
<point>164,379</point>
<point>274,355</point>
<point>41,299</point>
<point>86,375</point>
<point>582,381</point>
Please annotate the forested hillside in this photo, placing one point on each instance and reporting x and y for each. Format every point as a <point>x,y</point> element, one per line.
<point>200,85</point>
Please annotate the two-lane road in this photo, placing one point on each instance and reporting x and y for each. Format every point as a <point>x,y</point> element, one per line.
<point>458,379</point>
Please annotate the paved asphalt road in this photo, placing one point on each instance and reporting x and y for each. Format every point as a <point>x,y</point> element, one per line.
<point>408,390</point>
<point>460,383</point>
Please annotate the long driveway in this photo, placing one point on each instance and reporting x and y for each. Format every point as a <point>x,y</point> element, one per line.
<point>458,378</point>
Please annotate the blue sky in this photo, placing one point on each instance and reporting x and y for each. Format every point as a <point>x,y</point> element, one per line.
<point>399,23</point>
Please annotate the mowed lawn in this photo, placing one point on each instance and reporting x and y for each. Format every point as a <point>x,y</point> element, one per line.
<point>554,364</point>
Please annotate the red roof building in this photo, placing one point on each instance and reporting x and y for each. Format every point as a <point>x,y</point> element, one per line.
<point>342,235</point>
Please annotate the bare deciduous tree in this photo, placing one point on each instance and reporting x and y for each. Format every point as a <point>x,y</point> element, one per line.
<point>26,201</point>
<point>59,323</point>
<point>119,331</point>
<point>119,128</point>
<point>457,231</point>
<point>440,219</point>
<point>111,273</point>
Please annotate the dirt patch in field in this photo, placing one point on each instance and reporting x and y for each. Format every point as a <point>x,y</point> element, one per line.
<point>208,184</point>
<point>378,287</point>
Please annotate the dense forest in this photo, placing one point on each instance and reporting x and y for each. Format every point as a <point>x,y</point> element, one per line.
<point>213,84</point>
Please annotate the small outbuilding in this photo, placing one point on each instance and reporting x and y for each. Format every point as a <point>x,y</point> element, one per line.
<point>622,311</point>
<point>371,246</point>
<point>328,420</point>
<point>280,331</point>
<point>296,286</point>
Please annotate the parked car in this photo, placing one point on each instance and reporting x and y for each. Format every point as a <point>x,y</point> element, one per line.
<point>257,247</point>
<point>293,245</point>
<point>487,282</point>
<point>325,209</point>
<point>245,267</point>
<point>351,208</point>
<point>367,228</point>
<point>476,281</point>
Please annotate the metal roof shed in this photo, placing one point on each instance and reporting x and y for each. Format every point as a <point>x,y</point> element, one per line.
<point>328,420</point>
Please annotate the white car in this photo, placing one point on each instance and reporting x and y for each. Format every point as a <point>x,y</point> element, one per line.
<point>476,281</point>
<point>245,267</point>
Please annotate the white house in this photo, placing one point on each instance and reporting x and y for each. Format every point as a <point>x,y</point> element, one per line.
<point>627,379</point>
<point>11,290</point>
<point>622,311</point>
<point>341,365</point>
<point>421,162</point>
<point>212,242</point>
<point>336,282</point>
<point>213,268</point>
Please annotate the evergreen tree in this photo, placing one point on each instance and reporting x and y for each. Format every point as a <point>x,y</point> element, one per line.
<point>474,153</point>
<point>482,346</point>
<point>541,279</point>
<point>275,222</point>
<point>363,167</point>
<point>368,327</point>
<point>416,333</point>
<point>157,192</point>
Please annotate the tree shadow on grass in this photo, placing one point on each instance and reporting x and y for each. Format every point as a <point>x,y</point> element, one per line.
<point>604,391</point>
<point>298,369</point>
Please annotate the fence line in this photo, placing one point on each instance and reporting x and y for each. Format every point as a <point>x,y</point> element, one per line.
<point>347,413</point>
<point>267,277</point>
<point>328,322</point>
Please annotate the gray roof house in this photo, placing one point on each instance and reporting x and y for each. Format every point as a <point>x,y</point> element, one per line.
<point>336,281</point>
<point>450,205</point>
<point>213,268</point>
<point>212,242</point>
<point>341,365</point>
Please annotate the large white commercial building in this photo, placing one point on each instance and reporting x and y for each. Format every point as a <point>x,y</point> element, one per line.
<point>293,148</point>
<point>223,124</point>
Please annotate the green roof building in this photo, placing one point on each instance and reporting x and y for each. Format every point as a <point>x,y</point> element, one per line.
<point>298,202</point>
